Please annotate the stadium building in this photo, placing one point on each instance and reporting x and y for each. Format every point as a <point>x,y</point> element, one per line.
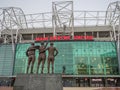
<point>87,41</point>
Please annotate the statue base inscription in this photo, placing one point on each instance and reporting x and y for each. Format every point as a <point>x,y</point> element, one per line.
<point>38,82</point>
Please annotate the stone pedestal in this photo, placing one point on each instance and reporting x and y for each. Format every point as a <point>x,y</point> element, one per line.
<point>38,82</point>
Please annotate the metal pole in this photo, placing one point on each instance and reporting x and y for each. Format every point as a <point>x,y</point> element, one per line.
<point>118,43</point>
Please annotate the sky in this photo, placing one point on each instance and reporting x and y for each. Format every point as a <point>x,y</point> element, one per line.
<point>41,6</point>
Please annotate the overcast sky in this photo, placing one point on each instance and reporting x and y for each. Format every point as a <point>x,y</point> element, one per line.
<point>40,6</point>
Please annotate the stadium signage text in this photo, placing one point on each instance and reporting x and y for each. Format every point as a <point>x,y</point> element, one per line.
<point>54,38</point>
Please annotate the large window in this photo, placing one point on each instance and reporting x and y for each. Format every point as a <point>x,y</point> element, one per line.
<point>76,58</point>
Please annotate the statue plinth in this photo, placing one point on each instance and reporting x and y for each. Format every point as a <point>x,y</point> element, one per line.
<point>38,82</point>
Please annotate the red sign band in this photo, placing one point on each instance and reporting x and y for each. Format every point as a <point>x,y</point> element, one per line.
<point>64,38</point>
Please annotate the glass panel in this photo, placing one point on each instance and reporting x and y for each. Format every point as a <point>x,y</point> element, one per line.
<point>6,60</point>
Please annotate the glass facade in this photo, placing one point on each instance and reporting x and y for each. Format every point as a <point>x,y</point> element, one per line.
<point>75,58</point>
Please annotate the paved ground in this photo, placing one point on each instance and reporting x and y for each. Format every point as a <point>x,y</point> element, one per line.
<point>74,88</point>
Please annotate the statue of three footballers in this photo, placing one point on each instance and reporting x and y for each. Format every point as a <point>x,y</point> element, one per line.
<point>52,52</point>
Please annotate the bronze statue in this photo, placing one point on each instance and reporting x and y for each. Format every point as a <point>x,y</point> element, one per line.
<point>51,56</point>
<point>42,56</point>
<point>31,57</point>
